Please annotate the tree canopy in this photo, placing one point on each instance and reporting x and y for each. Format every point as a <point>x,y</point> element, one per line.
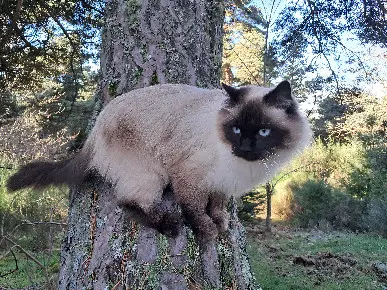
<point>324,33</point>
<point>38,37</point>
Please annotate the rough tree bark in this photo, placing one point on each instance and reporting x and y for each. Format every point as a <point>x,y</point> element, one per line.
<point>143,43</point>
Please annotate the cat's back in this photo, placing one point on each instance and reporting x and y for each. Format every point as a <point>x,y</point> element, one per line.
<point>158,113</point>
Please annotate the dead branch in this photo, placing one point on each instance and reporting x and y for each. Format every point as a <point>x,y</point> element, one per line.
<point>16,266</point>
<point>30,256</point>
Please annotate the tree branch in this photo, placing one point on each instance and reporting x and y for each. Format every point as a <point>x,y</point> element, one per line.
<point>246,67</point>
<point>13,21</point>
<point>29,255</point>
<point>73,51</point>
<point>16,266</point>
<point>87,5</point>
<point>314,13</point>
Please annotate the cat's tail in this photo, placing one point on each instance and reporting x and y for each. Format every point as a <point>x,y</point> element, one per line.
<point>40,174</point>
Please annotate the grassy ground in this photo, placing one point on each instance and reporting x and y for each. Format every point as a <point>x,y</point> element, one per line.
<point>26,272</point>
<point>284,260</point>
<point>290,259</point>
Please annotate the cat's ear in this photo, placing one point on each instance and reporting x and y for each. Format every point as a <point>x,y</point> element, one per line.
<point>281,97</point>
<point>233,93</point>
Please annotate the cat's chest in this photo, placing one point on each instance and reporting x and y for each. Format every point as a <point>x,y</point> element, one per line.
<point>234,176</point>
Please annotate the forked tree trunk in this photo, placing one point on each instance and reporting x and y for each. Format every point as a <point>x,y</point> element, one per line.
<point>143,43</point>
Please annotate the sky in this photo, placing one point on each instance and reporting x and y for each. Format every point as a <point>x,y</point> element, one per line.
<point>373,57</point>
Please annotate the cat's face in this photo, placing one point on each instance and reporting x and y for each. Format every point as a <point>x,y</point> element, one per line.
<point>260,122</point>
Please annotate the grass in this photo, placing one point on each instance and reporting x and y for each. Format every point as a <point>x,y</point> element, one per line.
<point>27,272</point>
<point>290,259</point>
<point>284,260</point>
<point>17,209</point>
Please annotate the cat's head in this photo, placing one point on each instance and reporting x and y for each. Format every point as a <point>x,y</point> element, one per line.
<point>259,122</point>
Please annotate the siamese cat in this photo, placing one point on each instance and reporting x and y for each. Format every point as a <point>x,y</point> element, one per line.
<point>207,144</point>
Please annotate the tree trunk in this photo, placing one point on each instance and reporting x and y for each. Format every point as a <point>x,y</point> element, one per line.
<point>269,191</point>
<point>144,43</point>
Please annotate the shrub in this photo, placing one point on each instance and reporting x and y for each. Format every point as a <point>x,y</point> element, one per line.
<point>329,161</point>
<point>376,218</point>
<point>251,205</point>
<point>318,204</point>
<point>282,200</point>
<point>335,185</point>
<point>20,210</point>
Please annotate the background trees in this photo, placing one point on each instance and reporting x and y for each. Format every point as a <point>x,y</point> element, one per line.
<point>37,37</point>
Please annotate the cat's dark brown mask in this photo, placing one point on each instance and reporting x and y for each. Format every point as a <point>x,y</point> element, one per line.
<point>255,120</point>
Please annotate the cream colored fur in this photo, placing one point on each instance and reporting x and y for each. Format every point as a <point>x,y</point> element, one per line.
<point>148,138</point>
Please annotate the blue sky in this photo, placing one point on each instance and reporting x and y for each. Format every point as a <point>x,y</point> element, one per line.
<point>374,57</point>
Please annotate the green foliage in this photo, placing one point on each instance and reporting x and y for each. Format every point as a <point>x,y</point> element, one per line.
<point>22,141</point>
<point>246,12</point>
<point>243,54</point>
<point>47,123</point>
<point>243,44</point>
<point>370,180</point>
<point>19,211</point>
<point>54,114</point>
<point>33,220</point>
<point>27,271</point>
<point>315,40</point>
<point>5,199</point>
<point>319,24</point>
<point>350,115</point>
<point>376,219</point>
<point>357,118</point>
<point>8,108</point>
<point>251,205</point>
<point>335,185</point>
<point>330,161</point>
<point>44,109</point>
<point>319,204</point>
<point>37,38</point>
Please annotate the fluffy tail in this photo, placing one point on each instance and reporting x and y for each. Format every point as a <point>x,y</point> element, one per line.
<point>42,174</point>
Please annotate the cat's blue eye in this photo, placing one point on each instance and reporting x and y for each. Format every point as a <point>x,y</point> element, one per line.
<point>236,130</point>
<point>264,132</point>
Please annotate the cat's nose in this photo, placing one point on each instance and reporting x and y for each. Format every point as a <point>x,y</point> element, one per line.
<point>245,144</point>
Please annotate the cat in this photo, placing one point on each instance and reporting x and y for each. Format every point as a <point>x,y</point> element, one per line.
<point>206,144</point>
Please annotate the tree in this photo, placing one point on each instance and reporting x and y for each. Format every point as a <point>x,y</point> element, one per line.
<point>43,49</point>
<point>322,34</point>
<point>29,34</point>
<point>352,115</point>
<point>243,50</point>
<point>145,43</point>
<point>244,53</point>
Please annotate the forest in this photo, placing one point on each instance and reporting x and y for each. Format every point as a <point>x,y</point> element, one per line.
<point>320,223</point>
